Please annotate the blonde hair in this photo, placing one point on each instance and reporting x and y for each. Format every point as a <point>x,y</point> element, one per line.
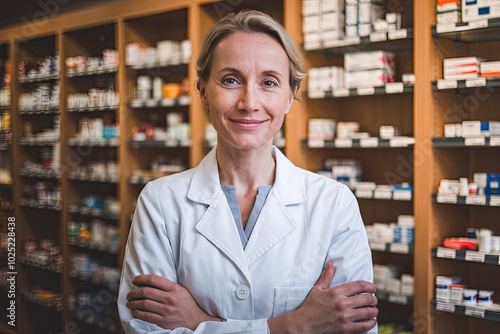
<point>250,21</point>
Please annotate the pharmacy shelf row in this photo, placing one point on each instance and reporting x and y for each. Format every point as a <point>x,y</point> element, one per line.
<point>465,255</point>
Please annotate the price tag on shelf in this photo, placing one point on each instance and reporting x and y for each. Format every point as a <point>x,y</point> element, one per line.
<point>447,84</point>
<point>378,246</point>
<point>368,142</point>
<point>341,92</point>
<point>478,24</point>
<point>494,141</point>
<point>167,102</point>
<point>401,195</point>
<point>382,194</point>
<point>350,41</point>
<point>343,143</point>
<point>365,91</point>
<point>474,256</point>
<point>477,82</point>
<point>495,200</point>
<point>446,253</point>
<point>316,143</point>
<point>401,141</point>
<point>364,194</point>
<point>170,143</point>
<point>378,36</point>
<point>446,198</point>
<point>446,27</point>
<point>394,87</point>
<point>475,200</point>
<point>316,94</point>
<point>151,103</point>
<point>398,299</point>
<point>475,312</point>
<point>476,141</point>
<point>400,248</point>
<point>445,307</point>
<point>398,34</point>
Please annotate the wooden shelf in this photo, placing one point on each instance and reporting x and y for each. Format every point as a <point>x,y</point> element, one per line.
<point>471,311</point>
<point>366,143</point>
<point>37,80</point>
<point>465,255</point>
<point>476,200</point>
<point>391,248</point>
<point>399,40</point>
<point>159,143</point>
<point>465,86</point>
<point>485,30</point>
<point>444,142</point>
<point>92,73</point>
<point>394,298</point>
<point>39,112</point>
<point>85,111</point>
<point>388,89</point>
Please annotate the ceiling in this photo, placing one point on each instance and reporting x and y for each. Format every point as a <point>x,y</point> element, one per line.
<point>20,11</point>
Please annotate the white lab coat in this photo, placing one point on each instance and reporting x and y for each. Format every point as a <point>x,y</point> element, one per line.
<point>183,230</point>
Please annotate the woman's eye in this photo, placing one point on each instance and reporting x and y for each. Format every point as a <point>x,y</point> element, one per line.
<point>269,83</point>
<point>230,81</point>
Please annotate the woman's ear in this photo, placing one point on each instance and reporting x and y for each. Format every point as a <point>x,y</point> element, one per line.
<point>203,94</point>
<point>289,105</point>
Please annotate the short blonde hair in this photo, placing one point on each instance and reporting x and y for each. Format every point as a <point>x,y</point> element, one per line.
<point>250,21</point>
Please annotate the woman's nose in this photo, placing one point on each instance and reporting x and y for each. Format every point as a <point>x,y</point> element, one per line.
<point>249,99</point>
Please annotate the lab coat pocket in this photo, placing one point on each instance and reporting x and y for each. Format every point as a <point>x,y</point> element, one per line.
<point>289,299</point>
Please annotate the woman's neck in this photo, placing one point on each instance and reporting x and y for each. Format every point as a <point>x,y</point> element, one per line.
<point>246,169</point>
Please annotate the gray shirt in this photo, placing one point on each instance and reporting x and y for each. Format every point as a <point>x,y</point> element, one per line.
<point>232,200</point>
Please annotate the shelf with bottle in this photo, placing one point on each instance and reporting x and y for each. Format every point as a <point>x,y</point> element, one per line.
<point>483,190</point>
<point>96,132</point>
<point>393,285</point>
<point>46,167</point>
<point>482,30</point>
<point>97,206</point>
<point>97,310</point>
<point>49,299</point>
<point>97,170</point>
<point>44,254</point>
<point>160,166</point>
<point>41,195</point>
<point>90,270</point>
<point>392,238</point>
<point>96,235</point>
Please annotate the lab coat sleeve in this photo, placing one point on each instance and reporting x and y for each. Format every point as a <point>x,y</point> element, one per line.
<point>149,251</point>
<point>349,249</point>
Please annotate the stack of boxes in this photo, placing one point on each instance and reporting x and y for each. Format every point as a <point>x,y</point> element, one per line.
<point>490,68</point>
<point>461,68</point>
<point>324,79</point>
<point>472,129</point>
<point>448,11</point>
<point>480,9</point>
<point>369,69</point>
<point>386,279</point>
<point>401,232</point>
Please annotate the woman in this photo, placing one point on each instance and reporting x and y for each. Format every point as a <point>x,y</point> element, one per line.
<point>246,242</point>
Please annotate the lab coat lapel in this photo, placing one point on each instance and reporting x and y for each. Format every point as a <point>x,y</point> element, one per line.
<point>275,222</point>
<point>217,224</point>
<point>273,225</point>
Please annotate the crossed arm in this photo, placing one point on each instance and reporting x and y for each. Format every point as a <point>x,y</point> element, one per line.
<point>347,308</point>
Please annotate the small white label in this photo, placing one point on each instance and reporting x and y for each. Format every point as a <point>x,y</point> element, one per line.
<point>446,198</point>
<point>364,193</point>
<point>398,299</point>
<point>445,307</point>
<point>341,92</point>
<point>167,102</point>
<point>474,256</point>
<point>400,142</point>
<point>394,87</point>
<point>478,24</point>
<point>343,143</point>
<point>378,36</point>
<point>401,195</point>
<point>447,84</point>
<point>316,94</point>
<point>398,34</point>
<point>475,200</point>
<point>136,104</point>
<point>316,143</point>
<point>494,141</point>
<point>446,253</point>
<point>382,194</point>
<point>151,103</point>
<point>495,200</point>
<point>368,142</point>
<point>446,27</point>
<point>378,246</point>
<point>170,143</point>
<point>400,248</point>
<point>351,40</point>
<point>365,91</point>
<point>477,82</point>
<point>476,141</point>
<point>474,312</point>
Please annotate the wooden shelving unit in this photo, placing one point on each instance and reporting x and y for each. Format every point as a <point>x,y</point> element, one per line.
<point>418,110</point>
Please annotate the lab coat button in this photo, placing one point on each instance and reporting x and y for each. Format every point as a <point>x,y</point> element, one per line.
<point>242,292</point>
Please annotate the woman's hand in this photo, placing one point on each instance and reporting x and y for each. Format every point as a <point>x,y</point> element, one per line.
<point>162,302</point>
<point>347,308</point>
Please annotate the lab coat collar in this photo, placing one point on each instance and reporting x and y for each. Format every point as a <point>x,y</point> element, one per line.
<point>205,184</point>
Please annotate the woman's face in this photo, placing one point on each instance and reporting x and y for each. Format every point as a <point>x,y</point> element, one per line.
<point>248,92</point>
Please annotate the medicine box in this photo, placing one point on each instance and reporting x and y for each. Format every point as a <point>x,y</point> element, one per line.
<point>490,68</point>
<point>328,6</point>
<point>480,128</point>
<point>453,16</point>
<point>493,184</point>
<point>351,14</point>
<point>367,78</point>
<point>480,9</point>
<point>369,60</point>
<point>461,62</point>
<point>447,5</point>
<point>370,11</point>
<point>321,129</point>
<point>310,7</point>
